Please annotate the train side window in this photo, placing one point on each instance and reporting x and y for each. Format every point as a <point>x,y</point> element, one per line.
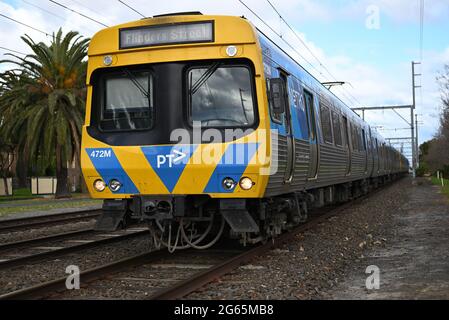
<point>364,140</point>
<point>310,112</point>
<point>354,137</point>
<point>326,123</point>
<point>337,128</point>
<point>359,138</point>
<point>275,117</point>
<point>345,131</point>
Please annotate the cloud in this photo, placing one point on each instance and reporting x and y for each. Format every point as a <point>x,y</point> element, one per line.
<point>371,84</point>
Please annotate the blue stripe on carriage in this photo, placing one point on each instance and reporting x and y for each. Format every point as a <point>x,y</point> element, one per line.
<point>107,165</point>
<point>233,164</point>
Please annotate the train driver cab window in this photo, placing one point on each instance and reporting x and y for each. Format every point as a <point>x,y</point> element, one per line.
<point>221,96</point>
<point>127,101</point>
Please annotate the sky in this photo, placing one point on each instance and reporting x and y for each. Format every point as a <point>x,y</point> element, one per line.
<point>369,44</point>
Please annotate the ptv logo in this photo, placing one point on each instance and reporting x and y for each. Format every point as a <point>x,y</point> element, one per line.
<point>169,161</point>
<point>173,158</point>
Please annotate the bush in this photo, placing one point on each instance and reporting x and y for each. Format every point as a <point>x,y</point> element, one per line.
<point>24,192</point>
<point>421,171</point>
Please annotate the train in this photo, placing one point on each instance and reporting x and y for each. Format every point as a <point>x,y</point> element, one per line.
<point>202,127</point>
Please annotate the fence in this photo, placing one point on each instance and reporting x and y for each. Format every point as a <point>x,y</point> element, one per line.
<point>43,185</point>
<point>39,185</point>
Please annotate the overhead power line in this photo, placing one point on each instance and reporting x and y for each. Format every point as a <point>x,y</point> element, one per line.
<point>44,10</point>
<point>24,24</point>
<point>276,33</point>
<point>11,50</point>
<point>86,7</point>
<point>287,43</point>
<point>78,13</point>
<point>322,65</point>
<point>421,31</point>
<point>127,5</point>
<point>51,13</point>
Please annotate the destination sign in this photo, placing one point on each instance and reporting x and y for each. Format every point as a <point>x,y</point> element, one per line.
<point>166,34</point>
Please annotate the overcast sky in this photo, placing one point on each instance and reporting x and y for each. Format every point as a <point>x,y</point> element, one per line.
<point>373,55</point>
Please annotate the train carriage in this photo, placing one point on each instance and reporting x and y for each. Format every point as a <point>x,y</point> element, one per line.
<point>201,125</point>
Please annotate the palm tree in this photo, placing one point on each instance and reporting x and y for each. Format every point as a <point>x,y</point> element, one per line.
<point>55,108</point>
<point>13,101</point>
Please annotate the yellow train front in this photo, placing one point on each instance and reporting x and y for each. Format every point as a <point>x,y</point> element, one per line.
<point>174,122</point>
<point>201,125</point>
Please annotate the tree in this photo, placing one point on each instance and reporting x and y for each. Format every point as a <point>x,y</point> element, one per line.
<point>6,160</point>
<point>13,101</point>
<point>438,151</point>
<point>54,111</point>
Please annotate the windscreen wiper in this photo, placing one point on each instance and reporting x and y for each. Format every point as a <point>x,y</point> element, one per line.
<point>133,79</point>
<point>204,77</point>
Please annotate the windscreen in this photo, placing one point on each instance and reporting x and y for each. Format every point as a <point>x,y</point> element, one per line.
<point>221,96</point>
<point>127,103</point>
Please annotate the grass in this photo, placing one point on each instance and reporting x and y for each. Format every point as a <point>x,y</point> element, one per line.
<point>8,208</point>
<point>14,198</point>
<point>24,192</point>
<point>444,189</point>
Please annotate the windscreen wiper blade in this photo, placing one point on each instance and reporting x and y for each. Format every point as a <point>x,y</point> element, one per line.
<point>204,77</point>
<point>133,79</point>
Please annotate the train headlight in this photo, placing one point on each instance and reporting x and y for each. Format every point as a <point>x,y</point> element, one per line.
<point>107,60</point>
<point>231,51</point>
<point>246,183</point>
<point>99,185</point>
<point>229,183</point>
<point>115,185</point>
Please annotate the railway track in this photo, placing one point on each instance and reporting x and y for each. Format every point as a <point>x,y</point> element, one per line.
<point>11,225</point>
<point>89,239</point>
<point>35,241</point>
<point>194,275</point>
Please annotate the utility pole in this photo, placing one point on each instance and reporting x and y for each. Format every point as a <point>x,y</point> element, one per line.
<point>412,118</point>
<point>417,142</point>
<point>412,141</point>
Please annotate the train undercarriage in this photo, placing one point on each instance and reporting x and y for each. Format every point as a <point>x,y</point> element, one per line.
<point>199,222</point>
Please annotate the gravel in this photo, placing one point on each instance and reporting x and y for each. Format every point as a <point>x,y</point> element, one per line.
<point>315,262</point>
<point>142,281</point>
<point>318,259</point>
<point>25,276</point>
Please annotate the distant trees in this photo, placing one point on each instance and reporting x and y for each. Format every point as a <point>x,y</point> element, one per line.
<point>42,104</point>
<point>437,157</point>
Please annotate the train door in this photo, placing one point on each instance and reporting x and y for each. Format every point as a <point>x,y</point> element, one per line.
<point>289,169</point>
<point>313,142</point>
<point>348,145</point>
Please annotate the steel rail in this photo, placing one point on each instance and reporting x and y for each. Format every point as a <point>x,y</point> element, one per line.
<point>32,222</point>
<point>200,279</point>
<point>192,284</point>
<point>21,243</point>
<point>45,289</point>
<point>58,252</point>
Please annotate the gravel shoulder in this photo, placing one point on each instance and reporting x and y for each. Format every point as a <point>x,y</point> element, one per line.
<point>415,264</point>
<point>318,260</point>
